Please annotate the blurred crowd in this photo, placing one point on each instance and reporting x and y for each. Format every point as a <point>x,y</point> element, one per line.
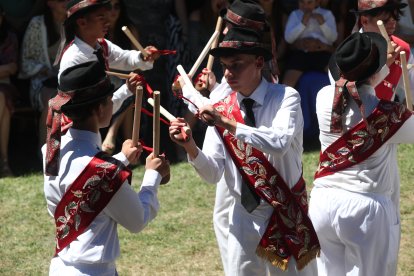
<point>30,32</point>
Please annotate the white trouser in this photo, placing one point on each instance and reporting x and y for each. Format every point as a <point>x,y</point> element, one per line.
<point>358,233</point>
<point>60,268</point>
<point>238,234</point>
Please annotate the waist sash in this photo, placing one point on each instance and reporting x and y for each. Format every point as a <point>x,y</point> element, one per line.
<point>87,197</point>
<point>290,231</point>
<point>361,141</point>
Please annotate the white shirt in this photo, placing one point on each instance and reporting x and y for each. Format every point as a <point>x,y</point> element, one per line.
<point>278,135</point>
<point>99,243</point>
<point>379,172</point>
<point>326,32</point>
<point>126,60</point>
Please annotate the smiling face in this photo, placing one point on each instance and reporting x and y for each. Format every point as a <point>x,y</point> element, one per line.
<point>242,72</point>
<point>308,5</point>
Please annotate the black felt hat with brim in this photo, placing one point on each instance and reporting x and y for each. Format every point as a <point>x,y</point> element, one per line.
<point>86,83</point>
<point>374,6</point>
<point>246,13</point>
<point>75,7</point>
<point>359,56</point>
<point>241,41</point>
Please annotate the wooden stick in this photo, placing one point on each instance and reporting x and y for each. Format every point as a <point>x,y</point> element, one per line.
<point>134,41</point>
<point>116,74</point>
<point>137,114</point>
<point>203,54</point>
<point>184,75</point>
<point>384,33</point>
<point>156,124</point>
<point>215,42</point>
<point>184,131</point>
<point>407,89</point>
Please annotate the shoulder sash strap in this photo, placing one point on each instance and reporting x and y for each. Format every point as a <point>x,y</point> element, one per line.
<point>87,197</point>
<point>360,142</point>
<point>290,231</point>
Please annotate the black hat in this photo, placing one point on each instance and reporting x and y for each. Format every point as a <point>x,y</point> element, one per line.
<point>359,56</point>
<point>75,6</point>
<point>241,41</point>
<point>86,83</point>
<point>374,6</point>
<point>246,13</point>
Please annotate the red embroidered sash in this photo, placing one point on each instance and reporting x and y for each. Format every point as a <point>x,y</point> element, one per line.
<point>360,142</point>
<point>87,197</point>
<point>290,231</point>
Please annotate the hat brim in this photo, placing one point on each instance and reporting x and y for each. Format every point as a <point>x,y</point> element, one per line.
<point>71,106</point>
<point>381,44</point>
<point>257,51</point>
<point>85,9</point>
<point>388,6</point>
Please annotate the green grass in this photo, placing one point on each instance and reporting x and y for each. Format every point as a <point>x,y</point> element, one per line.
<point>180,241</point>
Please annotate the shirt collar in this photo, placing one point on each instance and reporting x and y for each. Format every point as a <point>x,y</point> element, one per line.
<point>258,94</point>
<point>85,135</point>
<point>85,47</point>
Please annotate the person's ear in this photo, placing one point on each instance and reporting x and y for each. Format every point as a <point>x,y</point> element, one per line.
<point>81,22</point>
<point>259,62</point>
<point>364,20</point>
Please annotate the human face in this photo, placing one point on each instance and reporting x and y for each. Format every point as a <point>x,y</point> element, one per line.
<point>95,24</point>
<point>242,72</point>
<point>308,6</point>
<point>369,23</point>
<point>114,12</point>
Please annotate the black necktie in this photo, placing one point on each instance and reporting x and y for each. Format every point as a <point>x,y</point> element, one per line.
<point>249,199</point>
<point>99,54</point>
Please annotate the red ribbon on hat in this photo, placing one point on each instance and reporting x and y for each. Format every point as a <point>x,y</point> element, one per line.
<point>54,132</point>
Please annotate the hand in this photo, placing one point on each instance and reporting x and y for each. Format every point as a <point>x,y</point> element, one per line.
<point>175,130</point>
<point>391,56</point>
<point>153,54</point>
<point>210,116</point>
<point>132,152</point>
<point>200,85</point>
<point>133,82</point>
<point>318,17</point>
<point>160,164</point>
<point>306,17</point>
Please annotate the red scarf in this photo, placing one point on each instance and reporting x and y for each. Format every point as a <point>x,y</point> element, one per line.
<point>290,231</point>
<point>87,197</point>
<point>360,142</point>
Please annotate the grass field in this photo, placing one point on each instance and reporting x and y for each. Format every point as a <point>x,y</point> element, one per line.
<point>180,241</point>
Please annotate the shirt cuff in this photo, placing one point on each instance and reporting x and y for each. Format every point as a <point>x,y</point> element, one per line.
<point>152,178</point>
<point>121,157</point>
<point>244,133</point>
<point>144,65</point>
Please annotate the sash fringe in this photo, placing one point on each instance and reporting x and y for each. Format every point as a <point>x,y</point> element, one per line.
<point>302,262</point>
<point>274,259</point>
<point>277,261</point>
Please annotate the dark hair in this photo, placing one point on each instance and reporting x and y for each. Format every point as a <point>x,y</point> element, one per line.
<point>119,38</point>
<point>85,111</point>
<point>52,35</point>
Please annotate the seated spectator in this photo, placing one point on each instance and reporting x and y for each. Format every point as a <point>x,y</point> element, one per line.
<point>8,67</point>
<point>39,48</point>
<point>312,31</point>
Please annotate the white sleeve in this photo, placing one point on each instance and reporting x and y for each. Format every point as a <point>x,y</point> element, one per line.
<point>210,162</point>
<point>119,97</point>
<point>135,210</point>
<point>195,97</point>
<point>329,27</point>
<point>277,138</point>
<point>294,27</point>
<point>126,60</point>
